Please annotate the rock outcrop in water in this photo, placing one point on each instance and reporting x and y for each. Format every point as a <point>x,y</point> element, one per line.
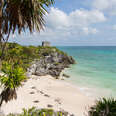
<point>51,62</point>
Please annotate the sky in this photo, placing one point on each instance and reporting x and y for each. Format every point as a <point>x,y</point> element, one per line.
<point>76,23</point>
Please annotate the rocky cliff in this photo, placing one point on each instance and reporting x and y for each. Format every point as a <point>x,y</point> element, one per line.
<point>51,62</point>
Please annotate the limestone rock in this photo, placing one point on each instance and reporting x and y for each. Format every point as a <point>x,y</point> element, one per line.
<point>50,64</point>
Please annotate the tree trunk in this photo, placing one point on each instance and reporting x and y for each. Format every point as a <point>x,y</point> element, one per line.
<point>1,9</point>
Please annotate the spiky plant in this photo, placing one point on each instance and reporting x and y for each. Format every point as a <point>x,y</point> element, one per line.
<point>28,14</point>
<point>103,107</point>
<point>11,80</point>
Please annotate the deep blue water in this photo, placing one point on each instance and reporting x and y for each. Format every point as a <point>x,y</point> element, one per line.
<point>95,70</point>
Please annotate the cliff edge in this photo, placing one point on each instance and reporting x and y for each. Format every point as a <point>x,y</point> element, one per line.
<point>51,62</point>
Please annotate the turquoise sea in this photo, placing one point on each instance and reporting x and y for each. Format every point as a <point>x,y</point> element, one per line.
<point>95,71</point>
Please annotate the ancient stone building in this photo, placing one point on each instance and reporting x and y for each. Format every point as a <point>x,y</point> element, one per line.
<point>45,43</point>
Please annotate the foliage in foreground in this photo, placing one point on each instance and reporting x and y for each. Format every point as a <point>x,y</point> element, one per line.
<point>11,80</point>
<point>103,107</point>
<point>40,112</point>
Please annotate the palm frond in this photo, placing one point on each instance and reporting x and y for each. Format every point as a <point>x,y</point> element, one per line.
<point>104,107</point>
<point>24,14</point>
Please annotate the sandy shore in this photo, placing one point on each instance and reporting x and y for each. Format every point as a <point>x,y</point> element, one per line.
<point>45,91</point>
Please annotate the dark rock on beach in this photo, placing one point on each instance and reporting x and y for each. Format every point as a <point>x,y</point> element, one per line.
<point>65,75</point>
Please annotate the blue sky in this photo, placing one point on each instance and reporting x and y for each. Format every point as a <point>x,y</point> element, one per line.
<point>71,5</point>
<point>76,23</point>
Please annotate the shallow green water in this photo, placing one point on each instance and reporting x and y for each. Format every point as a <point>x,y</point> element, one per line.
<point>95,71</point>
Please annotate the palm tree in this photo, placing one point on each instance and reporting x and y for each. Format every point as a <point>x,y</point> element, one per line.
<point>103,107</point>
<point>11,80</point>
<point>19,15</point>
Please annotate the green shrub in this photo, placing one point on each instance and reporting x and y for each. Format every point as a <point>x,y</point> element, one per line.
<point>14,74</point>
<point>13,77</point>
<point>26,54</point>
<point>39,112</point>
<point>103,107</point>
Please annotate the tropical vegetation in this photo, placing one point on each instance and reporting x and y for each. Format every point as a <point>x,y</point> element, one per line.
<point>24,55</point>
<point>103,107</point>
<point>14,66</point>
<point>17,16</point>
<point>28,15</point>
<point>12,78</point>
<point>40,112</point>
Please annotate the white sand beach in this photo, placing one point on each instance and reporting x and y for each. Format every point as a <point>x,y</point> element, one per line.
<point>44,92</point>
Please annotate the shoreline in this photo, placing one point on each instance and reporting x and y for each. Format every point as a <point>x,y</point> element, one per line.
<point>47,92</point>
<point>89,89</point>
<point>94,92</point>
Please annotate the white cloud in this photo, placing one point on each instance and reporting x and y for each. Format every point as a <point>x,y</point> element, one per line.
<point>89,30</point>
<point>63,27</point>
<point>114,27</point>
<point>77,22</point>
<point>56,18</point>
<point>86,17</point>
<point>14,35</point>
<point>101,4</point>
<point>105,5</point>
